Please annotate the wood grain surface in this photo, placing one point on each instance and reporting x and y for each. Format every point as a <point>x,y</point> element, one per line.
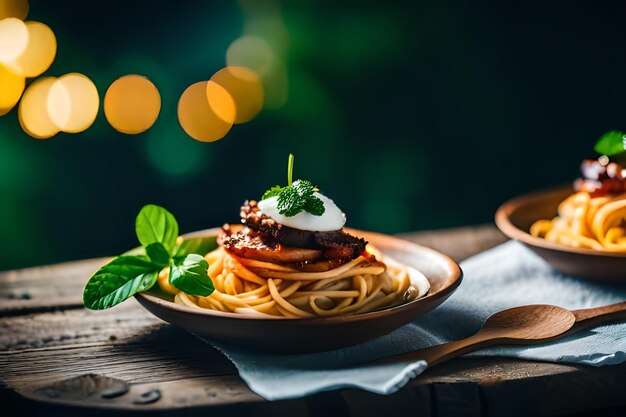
<point>58,359</point>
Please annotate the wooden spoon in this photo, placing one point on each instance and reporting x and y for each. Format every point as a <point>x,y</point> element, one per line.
<point>524,325</point>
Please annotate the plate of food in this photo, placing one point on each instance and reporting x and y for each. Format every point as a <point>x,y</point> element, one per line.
<point>579,229</point>
<point>289,277</point>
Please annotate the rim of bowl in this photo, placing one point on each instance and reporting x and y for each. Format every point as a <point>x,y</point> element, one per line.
<point>456,275</point>
<point>506,226</point>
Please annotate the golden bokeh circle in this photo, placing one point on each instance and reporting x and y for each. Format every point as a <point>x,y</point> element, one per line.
<point>14,8</point>
<point>33,111</point>
<point>11,89</point>
<point>39,53</point>
<point>132,104</point>
<point>73,102</point>
<point>13,39</point>
<point>251,52</point>
<point>221,102</point>
<point>199,119</point>
<point>245,87</point>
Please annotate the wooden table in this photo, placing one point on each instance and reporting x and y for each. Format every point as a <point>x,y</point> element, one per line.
<point>56,358</point>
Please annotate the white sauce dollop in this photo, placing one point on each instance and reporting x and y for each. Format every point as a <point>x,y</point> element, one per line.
<point>332,219</point>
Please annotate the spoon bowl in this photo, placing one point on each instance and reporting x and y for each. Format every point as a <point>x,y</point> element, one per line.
<point>531,322</point>
<point>523,325</point>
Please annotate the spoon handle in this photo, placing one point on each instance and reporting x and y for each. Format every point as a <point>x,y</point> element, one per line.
<point>593,316</point>
<point>446,351</point>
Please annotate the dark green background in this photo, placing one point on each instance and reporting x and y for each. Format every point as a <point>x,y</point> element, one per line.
<point>411,116</point>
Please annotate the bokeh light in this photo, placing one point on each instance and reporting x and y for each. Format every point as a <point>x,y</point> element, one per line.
<point>11,89</point>
<point>206,111</point>
<point>39,53</point>
<point>33,111</point>
<point>13,39</point>
<point>245,87</point>
<point>221,102</point>
<point>14,8</point>
<point>263,48</point>
<point>73,103</point>
<point>251,52</point>
<point>132,104</point>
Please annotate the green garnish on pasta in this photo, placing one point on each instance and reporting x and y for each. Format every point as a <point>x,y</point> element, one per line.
<point>611,143</point>
<point>138,270</point>
<point>297,196</point>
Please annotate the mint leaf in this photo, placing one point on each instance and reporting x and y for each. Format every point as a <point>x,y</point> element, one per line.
<point>611,143</point>
<point>189,274</point>
<point>297,197</point>
<point>304,188</point>
<point>315,206</point>
<point>290,202</point>
<point>199,245</point>
<point>155,224</point>
<point>272,192</point>
<point>158,254</point>
<point>119,280</point>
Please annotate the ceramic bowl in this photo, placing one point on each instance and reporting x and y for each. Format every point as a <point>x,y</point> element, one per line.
<point>515,217</point>
<point>280,335</point>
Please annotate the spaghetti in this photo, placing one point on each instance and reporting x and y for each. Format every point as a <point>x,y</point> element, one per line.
<point>262,288</point>
<point>586,221</point>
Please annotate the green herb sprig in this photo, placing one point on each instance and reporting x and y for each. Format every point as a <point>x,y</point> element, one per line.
<point>138,270</point>
<point>611,143</point>
<point>297,196</point>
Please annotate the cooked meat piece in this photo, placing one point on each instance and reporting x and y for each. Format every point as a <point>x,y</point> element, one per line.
<point>335,245</point>
<point>246,245</point>
<point>339,245</point>
<point>274,231</point>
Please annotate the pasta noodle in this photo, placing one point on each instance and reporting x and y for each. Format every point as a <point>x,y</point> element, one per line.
<point>589,222</point>
<point>266,289</point>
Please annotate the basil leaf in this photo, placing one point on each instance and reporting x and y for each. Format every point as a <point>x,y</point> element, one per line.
<point>199,245</point>
<point>119,280</point>
<point>138,251</point>
<point>189,274</point>
<point>155,224</point>
<point>158,254</point>
<point>129,265</point>
<point>611,143</point>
